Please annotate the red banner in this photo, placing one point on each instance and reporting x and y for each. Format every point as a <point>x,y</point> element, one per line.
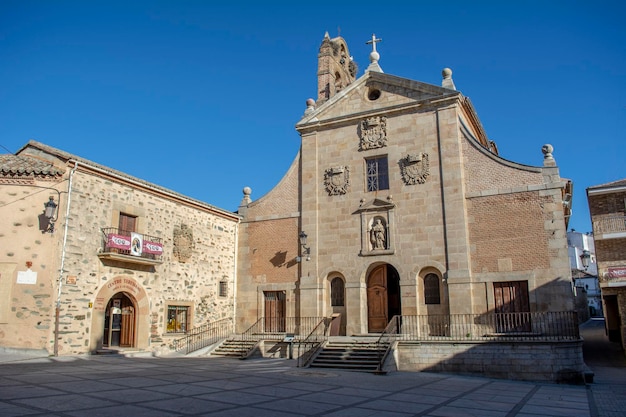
<point>123,242</point>
<point>617,273</point>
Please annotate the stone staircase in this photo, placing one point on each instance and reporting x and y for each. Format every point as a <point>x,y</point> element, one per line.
<point>234,348</point>
<point>355,355</point>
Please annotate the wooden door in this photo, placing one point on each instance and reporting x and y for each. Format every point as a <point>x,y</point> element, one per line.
<point>512,306</point>
<point>275,307</point>
<point>127,335</point>
<point>377,308</point>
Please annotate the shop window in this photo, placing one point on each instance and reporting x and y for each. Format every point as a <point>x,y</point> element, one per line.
<point>177,319</point>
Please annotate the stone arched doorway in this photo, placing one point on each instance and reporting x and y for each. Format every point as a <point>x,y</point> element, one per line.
<point>119,322</point>
<point>126,297</point>
<point>383,297</point>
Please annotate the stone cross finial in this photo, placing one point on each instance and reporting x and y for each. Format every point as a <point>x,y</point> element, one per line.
<point>373,42</point>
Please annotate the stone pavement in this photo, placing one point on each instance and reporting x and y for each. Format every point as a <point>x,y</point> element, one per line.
<point>607,393</point>
<point>120,386</point>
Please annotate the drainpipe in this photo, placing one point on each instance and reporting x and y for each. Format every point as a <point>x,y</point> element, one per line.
<point>60,283</point>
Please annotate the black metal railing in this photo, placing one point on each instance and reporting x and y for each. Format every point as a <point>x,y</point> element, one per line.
<point>309,345</point>
<point>386,340</point>
<point>112,244</point>
<point>272,328</point>
<point>545,326</point>
<point>205,335</point>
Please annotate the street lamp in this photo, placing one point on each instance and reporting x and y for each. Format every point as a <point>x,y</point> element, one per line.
<point>305,249</point>
<point>585,258</point>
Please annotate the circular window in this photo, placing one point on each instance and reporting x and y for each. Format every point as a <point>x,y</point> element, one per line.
<point>373,94</point>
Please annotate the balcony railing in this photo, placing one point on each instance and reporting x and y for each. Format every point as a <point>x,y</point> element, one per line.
<point>121,244</point>
<point>609,224</point>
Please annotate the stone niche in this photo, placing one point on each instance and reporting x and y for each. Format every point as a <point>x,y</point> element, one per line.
<point>377,227</point>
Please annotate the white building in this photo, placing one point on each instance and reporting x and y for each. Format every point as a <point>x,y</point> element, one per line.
<point>582,256</point>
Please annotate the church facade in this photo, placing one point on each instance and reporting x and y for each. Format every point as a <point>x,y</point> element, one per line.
<point>407,209</point>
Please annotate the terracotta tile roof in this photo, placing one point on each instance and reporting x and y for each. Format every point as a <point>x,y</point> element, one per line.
<point>25,165</point>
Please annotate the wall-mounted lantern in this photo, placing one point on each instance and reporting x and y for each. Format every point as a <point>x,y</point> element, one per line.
<point>50,213</point>
<point>306,251</point>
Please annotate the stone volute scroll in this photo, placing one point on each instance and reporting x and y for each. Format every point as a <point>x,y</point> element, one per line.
<point>183,243</point>
<point>337,180</point>
<point>373,133</point>
<point>415,168</point>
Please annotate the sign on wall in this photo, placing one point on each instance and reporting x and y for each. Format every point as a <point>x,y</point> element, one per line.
<point>27,277</point>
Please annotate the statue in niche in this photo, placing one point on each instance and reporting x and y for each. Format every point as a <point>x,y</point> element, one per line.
<point>378,236</point>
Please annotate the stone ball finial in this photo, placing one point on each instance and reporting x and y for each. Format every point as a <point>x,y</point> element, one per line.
<point>310,102</point>
<point>374,56</point>
<point>547,150</point>
<point>247,191</point>
<point>446,73</point>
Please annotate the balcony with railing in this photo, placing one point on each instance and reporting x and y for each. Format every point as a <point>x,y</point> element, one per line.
<point>609,227</point>
<point>130,247</point>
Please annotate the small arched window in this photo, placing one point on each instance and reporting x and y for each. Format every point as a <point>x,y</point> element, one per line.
<point>337,292</point>
<point>431,289</point>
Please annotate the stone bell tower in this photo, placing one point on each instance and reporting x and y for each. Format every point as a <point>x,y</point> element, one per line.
<point>336,69</point>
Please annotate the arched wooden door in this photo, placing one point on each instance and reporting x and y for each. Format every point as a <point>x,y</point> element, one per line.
<point>377,300</point>
<point>383,297</point>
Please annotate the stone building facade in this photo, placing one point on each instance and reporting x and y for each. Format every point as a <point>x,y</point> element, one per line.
<point>123,263</point>
<point>607,207</point>
<point>407,209</point>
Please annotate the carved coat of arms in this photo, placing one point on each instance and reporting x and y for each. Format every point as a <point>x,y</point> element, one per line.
<point>373,132</point>
<point>415,168</point>
<point>337,180</point>
<point>183,243</point>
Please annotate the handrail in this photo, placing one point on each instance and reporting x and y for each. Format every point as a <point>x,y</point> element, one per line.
<point>393,328</point>
<point>204,335</point>
<point>312,339</point>
<point>270,328</point>
<point>246,336</point>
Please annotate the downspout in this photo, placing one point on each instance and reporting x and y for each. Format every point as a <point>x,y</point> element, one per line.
<point>235,266</point>
<point>60,283</point>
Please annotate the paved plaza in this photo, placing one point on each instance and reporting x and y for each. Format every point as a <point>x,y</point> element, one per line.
<point>105,386</point>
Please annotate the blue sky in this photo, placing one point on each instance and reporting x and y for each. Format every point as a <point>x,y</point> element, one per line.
<point>202,97</point>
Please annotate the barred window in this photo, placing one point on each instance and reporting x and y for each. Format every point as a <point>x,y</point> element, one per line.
<point>177,319</point>
<point>337,292</point>
<point>431,289</point>
<point>377,173</point>
<point>223,289</point>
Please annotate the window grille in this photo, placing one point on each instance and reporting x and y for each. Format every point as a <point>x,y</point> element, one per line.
<point>377,173</point>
